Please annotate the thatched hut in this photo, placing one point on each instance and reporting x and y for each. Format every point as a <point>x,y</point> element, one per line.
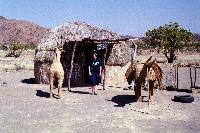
<point>78,40</point>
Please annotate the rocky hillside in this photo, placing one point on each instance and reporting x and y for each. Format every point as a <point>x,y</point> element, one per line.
<point>20,31</point>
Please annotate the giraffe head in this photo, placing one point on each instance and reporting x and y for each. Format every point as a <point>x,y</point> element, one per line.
<point>149,62</point>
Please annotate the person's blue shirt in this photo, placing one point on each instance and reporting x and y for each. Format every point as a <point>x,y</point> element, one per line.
<point>95,66</point>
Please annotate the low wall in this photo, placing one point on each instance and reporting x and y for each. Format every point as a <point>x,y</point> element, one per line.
<point>116,74</point>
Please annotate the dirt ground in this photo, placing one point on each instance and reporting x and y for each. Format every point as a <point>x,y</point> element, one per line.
<point>26,107</point>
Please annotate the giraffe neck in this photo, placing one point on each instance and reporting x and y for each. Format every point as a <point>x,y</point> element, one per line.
<point>56,58</point>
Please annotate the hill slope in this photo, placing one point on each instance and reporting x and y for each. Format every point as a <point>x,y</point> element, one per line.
<point>20,31</point>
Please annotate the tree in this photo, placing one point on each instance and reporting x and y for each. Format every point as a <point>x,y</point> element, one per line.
<point>168,38</point>
<point>196,42</point>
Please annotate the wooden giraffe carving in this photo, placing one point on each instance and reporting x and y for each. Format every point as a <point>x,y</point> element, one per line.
<point>154,73</point>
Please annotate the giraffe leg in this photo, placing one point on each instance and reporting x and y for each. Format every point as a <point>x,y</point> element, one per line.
<point>138,93</point>
<point>151,88</point>
<point>51,86</point>
<point>161,86</point>
<point>60,81</point>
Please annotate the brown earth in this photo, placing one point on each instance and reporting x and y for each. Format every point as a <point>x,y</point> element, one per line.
<point>20,31</point>
<point>26,106</point>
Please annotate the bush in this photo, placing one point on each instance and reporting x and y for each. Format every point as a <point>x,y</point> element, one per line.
<point>142,45</point>
<point>16,49</point>
<point>29,46</point>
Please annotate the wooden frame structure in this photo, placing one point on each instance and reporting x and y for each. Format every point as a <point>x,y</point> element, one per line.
<point>192,84</point>
<point>104,41</point>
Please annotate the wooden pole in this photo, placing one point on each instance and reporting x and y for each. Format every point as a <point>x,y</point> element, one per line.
<point>177,78</point>
<point>71,66</point>
<point>195,76</point>
<point>191,84</point>
<point>148,87</point>
<point>83,69</point>
<point>135,51</point>
<point>104,71</point>
<point>133,58</point>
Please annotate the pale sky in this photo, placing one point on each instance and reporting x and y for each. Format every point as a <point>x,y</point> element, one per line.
<point>127,17</point>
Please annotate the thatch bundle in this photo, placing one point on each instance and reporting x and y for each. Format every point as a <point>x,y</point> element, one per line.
<point>76,31</point>
<point>131,72</point>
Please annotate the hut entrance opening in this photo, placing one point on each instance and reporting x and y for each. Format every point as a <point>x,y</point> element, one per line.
<point>82,55</point>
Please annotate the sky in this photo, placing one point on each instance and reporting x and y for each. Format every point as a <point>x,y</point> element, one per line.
<point>125,17</point>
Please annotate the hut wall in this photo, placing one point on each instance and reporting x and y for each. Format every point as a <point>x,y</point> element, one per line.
<point>116,74</point>
<point>41,72</point>
<point>119,55</point>
<point>76,77</point>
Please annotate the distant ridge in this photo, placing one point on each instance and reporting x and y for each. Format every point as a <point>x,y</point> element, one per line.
<point>19,31</point>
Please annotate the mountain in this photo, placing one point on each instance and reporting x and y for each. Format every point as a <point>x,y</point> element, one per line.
<point>127,36</point>
<point>196,37</point>
<point>19,31</point>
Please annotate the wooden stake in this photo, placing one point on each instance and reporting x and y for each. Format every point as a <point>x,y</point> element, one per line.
<point>104,71</point>
<point>177,78</point>
<point>71,66</point>
<point>191,84</point>
<point>135,52</point>
<point>148,88</point>
<point>195,76</point>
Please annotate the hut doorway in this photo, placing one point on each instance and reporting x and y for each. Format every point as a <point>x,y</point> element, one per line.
<point>87,57</point>
<point>82,55</point>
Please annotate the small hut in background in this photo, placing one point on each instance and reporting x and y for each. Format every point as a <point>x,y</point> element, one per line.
<point>78,40</point>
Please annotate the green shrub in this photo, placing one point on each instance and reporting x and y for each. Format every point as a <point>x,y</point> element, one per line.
<point>16,49</point>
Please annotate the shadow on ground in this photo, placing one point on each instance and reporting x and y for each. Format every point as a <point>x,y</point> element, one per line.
<point>171,88</point>
<point>122,100</point>
<point>29,81</point>
<point>80,92</point>
<point>184,90</point>
<point>41,93</point>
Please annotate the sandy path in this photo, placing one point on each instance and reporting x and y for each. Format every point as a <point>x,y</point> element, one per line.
<point>25,107</point>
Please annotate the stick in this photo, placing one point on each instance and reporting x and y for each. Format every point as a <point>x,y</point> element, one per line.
<point>148,87</point>
<point>177,78</point>
<point>72,65</point>
<point>175,86</point>
<point>135,51</point>
<point>191,79</point>
<point>195,76</point>
<point>104,72</point>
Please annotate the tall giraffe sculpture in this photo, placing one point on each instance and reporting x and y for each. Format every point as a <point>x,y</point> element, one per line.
<point>151,72</point>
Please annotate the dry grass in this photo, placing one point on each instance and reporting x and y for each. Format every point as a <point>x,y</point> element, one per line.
<point>24,62</point>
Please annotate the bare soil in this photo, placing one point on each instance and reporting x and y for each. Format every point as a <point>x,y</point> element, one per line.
<point>26,107</point>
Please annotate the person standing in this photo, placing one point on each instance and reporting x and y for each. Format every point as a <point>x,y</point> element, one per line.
<point>95,70</point>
